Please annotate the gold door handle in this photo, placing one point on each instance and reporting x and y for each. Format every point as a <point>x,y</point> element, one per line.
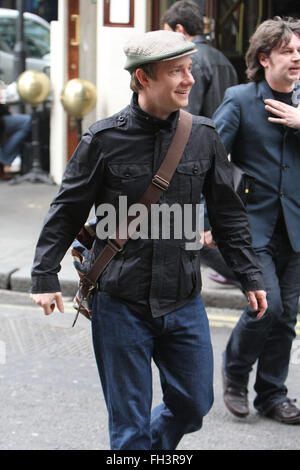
<point>76,41</point>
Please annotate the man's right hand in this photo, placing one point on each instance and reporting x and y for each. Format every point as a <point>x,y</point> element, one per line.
<point>48,300</point>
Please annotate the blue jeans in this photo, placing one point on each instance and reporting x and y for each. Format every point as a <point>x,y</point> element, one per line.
<point>269,339</point>
<point>179,343</point>
<point>17,127</point>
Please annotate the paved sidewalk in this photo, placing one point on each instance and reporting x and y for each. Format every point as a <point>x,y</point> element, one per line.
<point>23,208</point>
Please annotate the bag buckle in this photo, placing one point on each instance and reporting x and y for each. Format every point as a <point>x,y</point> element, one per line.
<point>160,182</point>
<point>87,285</point>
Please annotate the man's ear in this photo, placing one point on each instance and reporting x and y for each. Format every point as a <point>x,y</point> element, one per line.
<point>142,77</point>
<point>180,29</point>
<point>263,59</point>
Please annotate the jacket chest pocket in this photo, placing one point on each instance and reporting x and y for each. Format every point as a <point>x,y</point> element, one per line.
<point>130,180</point>
<point>188,180</point>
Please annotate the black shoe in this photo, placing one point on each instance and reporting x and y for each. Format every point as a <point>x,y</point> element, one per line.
<point>285,412</point>
<point>235,397</point>
<point>4,176</point>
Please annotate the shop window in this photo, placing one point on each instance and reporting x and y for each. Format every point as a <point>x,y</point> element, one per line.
<point>7,34</point>
<point>37,39</point>
<point>119,13</point>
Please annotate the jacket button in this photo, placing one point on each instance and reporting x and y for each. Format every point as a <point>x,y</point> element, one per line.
<point>282,195</point>
<point>195,170</point>
<point>121,119</point>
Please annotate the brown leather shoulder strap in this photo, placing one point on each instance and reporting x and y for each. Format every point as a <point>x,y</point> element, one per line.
<point>177,147</point>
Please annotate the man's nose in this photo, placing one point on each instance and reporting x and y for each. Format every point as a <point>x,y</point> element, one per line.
<point>188,77</point>
<point>296,55</point>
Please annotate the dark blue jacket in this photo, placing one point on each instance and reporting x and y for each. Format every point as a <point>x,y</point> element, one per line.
<point>269,152</point>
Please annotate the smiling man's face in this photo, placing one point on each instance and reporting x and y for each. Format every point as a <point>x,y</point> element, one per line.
<point>169,90</point>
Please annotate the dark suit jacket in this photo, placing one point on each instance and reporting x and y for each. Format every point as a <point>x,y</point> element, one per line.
<point>269,152</point>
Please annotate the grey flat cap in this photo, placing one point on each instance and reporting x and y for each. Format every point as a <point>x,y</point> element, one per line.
<point>156,46</point>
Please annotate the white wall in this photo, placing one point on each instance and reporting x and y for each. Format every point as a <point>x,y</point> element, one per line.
<point>112,80</point>
<point>58,119</point>
<point>88,50</point>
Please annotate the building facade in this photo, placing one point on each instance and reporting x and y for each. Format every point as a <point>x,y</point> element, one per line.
<point>87,38</point>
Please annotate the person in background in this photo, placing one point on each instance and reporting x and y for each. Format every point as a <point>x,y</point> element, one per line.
<point>212,71</point>
<point>14,129</point>
<point>260,128</point>
<point>213,74</point>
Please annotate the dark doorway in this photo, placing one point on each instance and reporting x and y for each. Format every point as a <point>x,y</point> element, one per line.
<point>286,8</point>
<point>236,21</point>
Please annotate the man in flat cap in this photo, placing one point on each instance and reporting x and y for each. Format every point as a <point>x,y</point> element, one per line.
<point>148,303</point>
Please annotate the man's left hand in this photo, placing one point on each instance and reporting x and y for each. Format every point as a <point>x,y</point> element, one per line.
<point>258,301</point>
<point>287,115</point>
<point>207,239</point>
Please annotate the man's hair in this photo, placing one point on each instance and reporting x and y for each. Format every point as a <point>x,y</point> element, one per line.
<point>149,69</point>
<point>188,14</point>
<point>269,35</point>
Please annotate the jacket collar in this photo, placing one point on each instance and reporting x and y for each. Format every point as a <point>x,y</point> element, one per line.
<point>265,91</point>
<point>199,39</point>
<point>151,121</point>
